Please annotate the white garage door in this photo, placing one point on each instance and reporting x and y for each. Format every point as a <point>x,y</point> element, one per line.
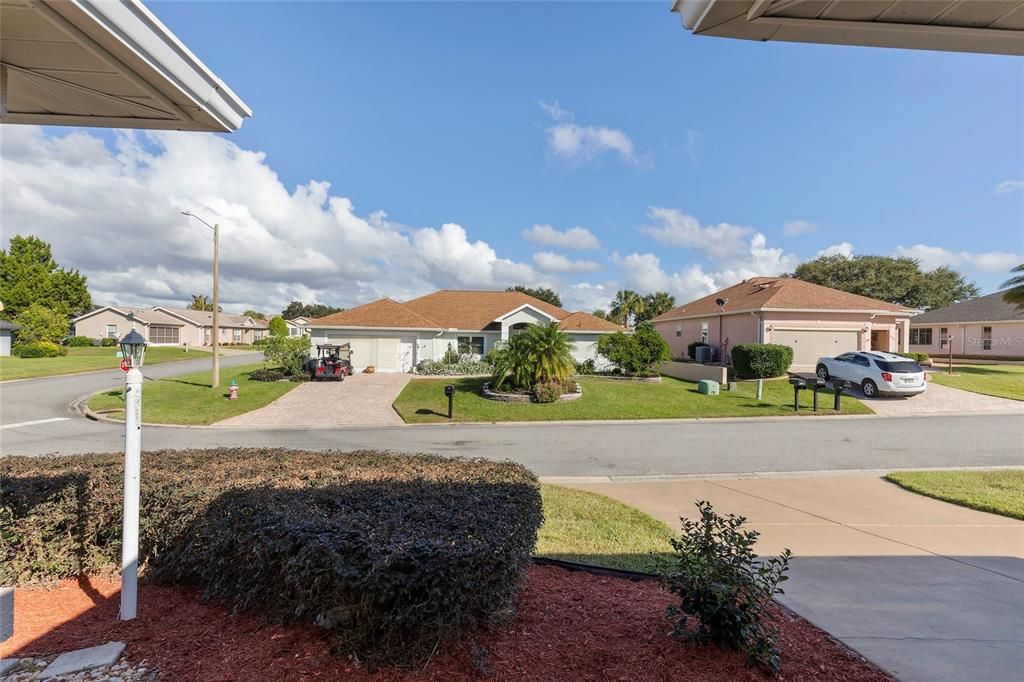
<point>809,345</point>
<point>387,355</point>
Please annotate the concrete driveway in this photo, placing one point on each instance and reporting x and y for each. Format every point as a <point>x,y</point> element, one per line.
<point>927,590</point>
<point>359,400</point>
<point>939,399</point>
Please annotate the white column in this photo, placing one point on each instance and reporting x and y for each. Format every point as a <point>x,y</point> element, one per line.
<point>132,470</point>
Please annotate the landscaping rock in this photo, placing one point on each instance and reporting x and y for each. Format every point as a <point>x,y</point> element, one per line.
<point>84,659</point>
<point>7,664</point>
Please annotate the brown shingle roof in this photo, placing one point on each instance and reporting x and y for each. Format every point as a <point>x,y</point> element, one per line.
<point>585,322</point>
<point>990,308</point>
<point>381,313</point>
<point>779,292</point>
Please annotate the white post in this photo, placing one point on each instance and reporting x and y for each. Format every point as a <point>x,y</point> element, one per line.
<point>132,469</point>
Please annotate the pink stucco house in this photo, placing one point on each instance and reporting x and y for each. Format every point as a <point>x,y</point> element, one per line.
<point>812,319</point>
<point>983,327</point>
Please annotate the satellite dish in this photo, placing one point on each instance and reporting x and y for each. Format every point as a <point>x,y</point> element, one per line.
<point>720,302</point>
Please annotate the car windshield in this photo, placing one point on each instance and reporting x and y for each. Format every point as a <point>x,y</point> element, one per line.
<point>901,367</point>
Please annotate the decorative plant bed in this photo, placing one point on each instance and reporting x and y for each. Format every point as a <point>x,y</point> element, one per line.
<point>618,632</point>
<point>501,397</point>
<point>624,377</point>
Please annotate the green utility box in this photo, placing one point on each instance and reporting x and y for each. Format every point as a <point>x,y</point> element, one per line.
<point>707,387</point>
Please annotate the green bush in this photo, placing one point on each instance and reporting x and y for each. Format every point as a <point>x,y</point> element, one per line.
<point>722,585</point>
<point>547,392</point>
<point>691,348</point>
<point>917,357</point>
<point>634,354</point>
<point>39,323</point>
<point>761,360</point>
<point>266,375</point>
<point>259,343</point>
<point>461,368</point>
<point>290,353</point>
<point>277,326</point>
<point>38,349</point>
<point>588,366</point>
<point>450,357</point>
<point>541,354</point>
<point>107,342</point>
<point>392,553</point>
<point>80,341</point>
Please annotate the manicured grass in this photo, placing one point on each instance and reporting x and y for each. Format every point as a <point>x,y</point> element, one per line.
<point>1004,381</point>
<point>999,492</point>
<point>423,400</point>
<point>85,360</point>
<point>188,399</point>
<point>594,529</point>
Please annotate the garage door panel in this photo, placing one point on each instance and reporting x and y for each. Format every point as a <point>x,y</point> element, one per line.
<point>387,354</point>
<point>810,344</point>
<point>362,349</point>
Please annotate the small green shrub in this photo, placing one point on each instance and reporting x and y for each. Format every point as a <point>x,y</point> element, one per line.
<point>450,357</point>
<point>266,375</point>
<point>634,354</point>
<point>290,353</point>
<point>80,341</point>
<point>462,368</point>
<point>277,326</point>
<point>38,349</point>
<point>761,360</point>
<point>394,554</point>
<point>691,348</point>
<point>260,343</point>
<point>588,366</point>
<point>719,582</point>
<point>547,392</point>
<point>917,357</point>
<point>107,342</point>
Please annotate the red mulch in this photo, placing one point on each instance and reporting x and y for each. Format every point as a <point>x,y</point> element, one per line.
<point>569,626</point>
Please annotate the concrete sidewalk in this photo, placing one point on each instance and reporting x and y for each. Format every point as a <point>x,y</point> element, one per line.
<point>927,590</point>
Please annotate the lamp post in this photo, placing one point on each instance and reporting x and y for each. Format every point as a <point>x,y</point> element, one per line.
<point>133,351</point>
<point>215,334</point>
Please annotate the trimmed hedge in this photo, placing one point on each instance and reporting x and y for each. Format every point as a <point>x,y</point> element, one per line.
<point>461,368</point>
<point>108,342</point>
<point>761,360</point>
<point>80,342</point>
<point>38,349</point>
<point>916,357</point>
<point>266,375</point>
<point>392,553</point>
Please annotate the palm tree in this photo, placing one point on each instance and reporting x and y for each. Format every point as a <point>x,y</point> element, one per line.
<point>550,353</point>
<point>511,363</point>
<point>657,303</point>
<point>1015,293</point>
<point>200,303</point>
<point>627,307</point>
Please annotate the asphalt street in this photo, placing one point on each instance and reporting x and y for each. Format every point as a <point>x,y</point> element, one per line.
<point>714,446</point>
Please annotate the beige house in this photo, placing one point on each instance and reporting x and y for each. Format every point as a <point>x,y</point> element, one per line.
<point>162,326</point>
<point>813,320</point>
<point>983,327</point>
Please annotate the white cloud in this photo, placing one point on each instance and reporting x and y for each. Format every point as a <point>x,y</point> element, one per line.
<point>796,228</point>
<point>1007,186</point>
<point>577,238</point>
<point>114,214</point>
<point>844,249</point>
<point>932,257</point>
<point>545,261</point>
<point>643,272</point>
<point>589,296</point>
<point>578,144</point>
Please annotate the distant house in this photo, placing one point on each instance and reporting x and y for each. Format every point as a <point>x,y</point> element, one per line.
<point>394,337</point>
<point>163,326</point>
<point>5,337</point>
<point>297,326</point>
<point>986,326</point>
<point>813,320</point>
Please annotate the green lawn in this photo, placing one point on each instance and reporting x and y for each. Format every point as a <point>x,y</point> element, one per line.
<point>594,529</point>
<point>188,399</point>
<point>999,492</point>
<point>423,400</point>
<point>1004,381</point>
<point>85,360</point>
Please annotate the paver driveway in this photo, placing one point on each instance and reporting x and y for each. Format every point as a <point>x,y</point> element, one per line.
<point>360,400</point>
<point>939,399</point>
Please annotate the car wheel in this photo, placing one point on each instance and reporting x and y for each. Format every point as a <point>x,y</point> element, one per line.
<point>870,388</point>
<point>822,372</point>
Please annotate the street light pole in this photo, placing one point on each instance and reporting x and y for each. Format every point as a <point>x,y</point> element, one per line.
<point>215,332</point>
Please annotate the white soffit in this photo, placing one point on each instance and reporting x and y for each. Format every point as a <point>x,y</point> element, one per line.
<point>108,63</point>
<point>987,26</point>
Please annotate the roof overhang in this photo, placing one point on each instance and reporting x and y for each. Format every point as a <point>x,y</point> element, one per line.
<point>951,25</point>
<point>526,306</point>
<point>107,64</point>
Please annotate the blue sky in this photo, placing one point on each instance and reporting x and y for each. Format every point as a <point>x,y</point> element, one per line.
<point>451,113</point>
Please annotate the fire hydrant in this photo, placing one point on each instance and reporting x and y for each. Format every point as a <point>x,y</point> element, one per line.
<point>233,390</point>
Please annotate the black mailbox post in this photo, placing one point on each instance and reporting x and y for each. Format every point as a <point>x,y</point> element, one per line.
<point>449,391</point>
<point>798,384</point>
<point>839,387</point>
<point>818,385</point>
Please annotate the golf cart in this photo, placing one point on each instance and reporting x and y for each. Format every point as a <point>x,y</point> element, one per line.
<point>331,362</point>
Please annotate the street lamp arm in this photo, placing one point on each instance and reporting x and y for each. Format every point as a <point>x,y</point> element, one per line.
<point>190,214</point>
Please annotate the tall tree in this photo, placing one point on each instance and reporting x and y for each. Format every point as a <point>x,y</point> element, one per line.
<point>896,280</point>
<point>600,312</point>
<point>1015,287</point>
<point>627,307</point>
<point>543,293</point>
<point>29,274</point>
<point>655,304</point>
<point>255,314</point>
<point>310,310</point>
<point>202,303</point>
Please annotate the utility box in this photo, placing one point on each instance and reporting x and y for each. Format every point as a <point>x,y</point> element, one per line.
<point>707,387</point>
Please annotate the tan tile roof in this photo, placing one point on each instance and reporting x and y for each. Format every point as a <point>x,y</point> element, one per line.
<point>450,309</point>
<point>205,317</point>
<point>779,292</point>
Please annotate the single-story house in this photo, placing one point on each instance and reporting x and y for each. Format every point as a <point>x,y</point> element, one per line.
<point>813,320</point>
<point>162,326</point>
<point>5,337</point>
<point>297,326</point>
<point>394,337</point>
<point>986,326</point>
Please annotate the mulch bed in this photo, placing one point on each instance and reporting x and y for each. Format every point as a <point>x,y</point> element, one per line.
<point>569,625</point>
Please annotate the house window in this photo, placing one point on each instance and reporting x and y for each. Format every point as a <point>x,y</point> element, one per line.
<point>111,331</point>
<point>986,338</point>
<point>163,334</point>
<point>258,334</point>
<point>471,345</point>
<point>236,335</point>
<point>679,330</point>
<point>293,331</point>
<point>921,337</point>
<point>943,336</point>
<point>703,332</point>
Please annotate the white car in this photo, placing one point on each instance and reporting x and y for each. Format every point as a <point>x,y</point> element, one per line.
<point>875,372</point>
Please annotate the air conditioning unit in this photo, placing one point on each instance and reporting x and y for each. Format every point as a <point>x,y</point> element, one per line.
<point>705,354</point>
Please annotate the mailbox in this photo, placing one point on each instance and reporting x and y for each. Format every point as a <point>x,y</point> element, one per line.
<point>797,384</point>
<point>449,390</point>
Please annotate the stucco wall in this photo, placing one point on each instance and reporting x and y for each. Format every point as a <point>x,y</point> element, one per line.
<point>5,343</point>
<point>1007,339</point>
<point>95,326</point>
